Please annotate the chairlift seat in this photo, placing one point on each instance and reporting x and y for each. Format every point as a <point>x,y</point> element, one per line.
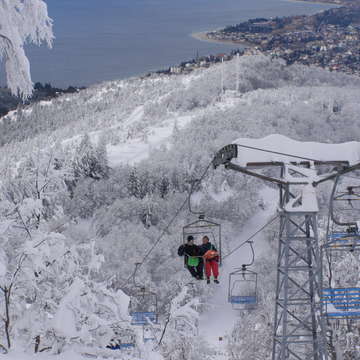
<point>341,302</point>
<point>343,236</point>
<point>243,299</point>
<point>343,240</point>
<point>143,308</point>
<point>149,339</point>
<point>243,289</point>
<point>143,317</point>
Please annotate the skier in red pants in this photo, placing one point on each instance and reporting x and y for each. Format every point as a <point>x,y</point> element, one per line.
<point>211,258</point>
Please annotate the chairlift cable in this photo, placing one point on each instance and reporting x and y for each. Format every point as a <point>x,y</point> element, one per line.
<point>167,226</point>
<point>187,200</point>
<point>194,183</point>
<point>276,152</point>
<point>251,237</point>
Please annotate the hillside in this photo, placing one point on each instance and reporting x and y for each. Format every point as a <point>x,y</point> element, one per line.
<point>89,182</point>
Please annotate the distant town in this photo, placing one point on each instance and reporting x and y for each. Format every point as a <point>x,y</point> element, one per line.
<point>329,39</point>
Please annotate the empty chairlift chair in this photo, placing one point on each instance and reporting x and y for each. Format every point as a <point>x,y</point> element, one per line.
<point>127,339</point>
<point>242,293</point>
<point>340,300</point>
<point>143,308</point>
<point>344,208</point>
<point>340,295</point>
<point>148,333</point>
<point>243,289</point>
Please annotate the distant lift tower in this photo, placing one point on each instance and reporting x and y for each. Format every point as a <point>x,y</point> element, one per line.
<point>298,326</point>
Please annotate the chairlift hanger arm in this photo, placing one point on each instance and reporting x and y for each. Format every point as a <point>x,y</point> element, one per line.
<point>243,170</point>
<point>331,208</point>
<point>337,173</point>
<point>244,266</point>
<point>229,152</point>
<point>194,183</point>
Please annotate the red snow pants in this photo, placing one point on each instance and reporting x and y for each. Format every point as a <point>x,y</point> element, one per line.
<point>211,265</point>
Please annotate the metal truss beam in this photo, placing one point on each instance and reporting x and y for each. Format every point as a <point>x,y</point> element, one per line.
<point>297,325</point>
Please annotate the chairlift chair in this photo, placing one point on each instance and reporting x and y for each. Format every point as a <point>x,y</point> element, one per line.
<point>127,339</point>
<point>344,207</point>
<point>242,292</point>
<point>124,339</point>
<point>339,300</point>
<point>182,325</point>
<point>202,227</point>
<point>143,307</point>
<point>148,333</point>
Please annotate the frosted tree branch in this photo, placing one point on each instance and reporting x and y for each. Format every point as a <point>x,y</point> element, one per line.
<point>22,22</point>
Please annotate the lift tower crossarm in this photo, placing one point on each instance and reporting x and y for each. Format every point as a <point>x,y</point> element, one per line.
<point>229,152</point>
<point>238,168</point>
<point>345,170</point>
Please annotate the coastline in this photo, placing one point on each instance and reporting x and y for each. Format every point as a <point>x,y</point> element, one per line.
<point>202,35</point>
<point>315,2</point>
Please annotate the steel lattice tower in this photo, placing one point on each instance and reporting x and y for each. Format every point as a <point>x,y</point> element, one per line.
<point>298,325</point>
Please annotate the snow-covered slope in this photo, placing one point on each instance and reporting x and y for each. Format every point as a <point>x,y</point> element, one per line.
<point>136,115</point>
<point>218,322</point>
<point>121,185</point>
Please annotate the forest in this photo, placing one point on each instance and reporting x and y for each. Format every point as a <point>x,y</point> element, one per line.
<point>90,180</point>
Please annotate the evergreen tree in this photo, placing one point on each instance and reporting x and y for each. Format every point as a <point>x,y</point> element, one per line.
<point>89,161</point>
<point>133,185</point>
<point>101,155</point>
<point>164,186</point>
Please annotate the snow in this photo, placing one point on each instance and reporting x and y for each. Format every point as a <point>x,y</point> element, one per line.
<point>28,111</point>
<point>99,96</point>
<point>3,267</point>
<point>123,301</point>
<point>349,151</point>
<point>307,201</point>
<point>18,355</point>
<point>136,115</point>
<point>221,318</point>
<point>11,115</point>
<point>64,320</point>
<point>45,103</point>
<point>135,150</point>
<point>224,194</point>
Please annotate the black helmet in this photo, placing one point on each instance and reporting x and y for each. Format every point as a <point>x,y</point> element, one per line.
<point>190,238</point>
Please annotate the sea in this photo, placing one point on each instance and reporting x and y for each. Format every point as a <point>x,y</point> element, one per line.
<point>99,40</point>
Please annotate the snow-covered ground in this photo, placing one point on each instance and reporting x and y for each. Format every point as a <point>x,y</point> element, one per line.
<point>137,149</point>
<point>219,321</point>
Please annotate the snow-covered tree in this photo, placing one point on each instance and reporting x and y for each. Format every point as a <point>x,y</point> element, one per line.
<point>90,161</point>
<point>21,22</point>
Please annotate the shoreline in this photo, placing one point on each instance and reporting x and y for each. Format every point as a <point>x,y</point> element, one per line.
<point>202,35</point>
<point>315,2</point>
